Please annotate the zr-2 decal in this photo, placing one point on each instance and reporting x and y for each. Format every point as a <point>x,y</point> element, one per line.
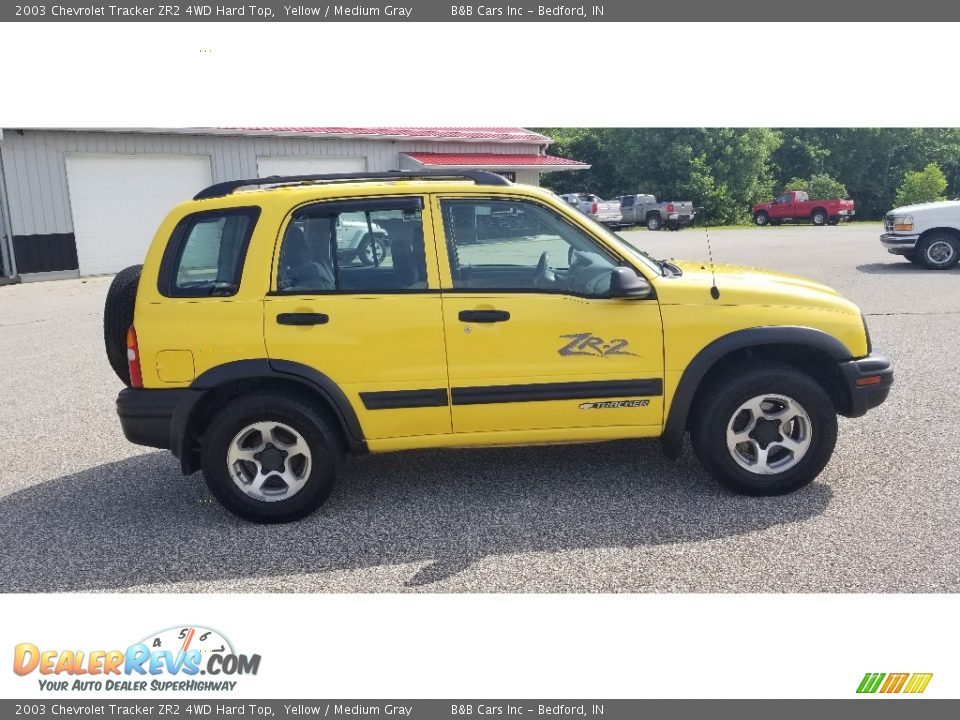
<point>590,344</point>
<point>609,404</point>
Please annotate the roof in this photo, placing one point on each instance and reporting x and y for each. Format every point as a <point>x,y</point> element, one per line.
<point>469,134</point>
<point>494,160</point>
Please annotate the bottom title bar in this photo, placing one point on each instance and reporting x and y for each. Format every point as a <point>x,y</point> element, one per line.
<point>487,709</point>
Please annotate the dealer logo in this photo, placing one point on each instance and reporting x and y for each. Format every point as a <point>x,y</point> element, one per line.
<point>181,653</point>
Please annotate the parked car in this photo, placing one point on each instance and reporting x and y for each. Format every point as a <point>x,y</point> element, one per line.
<point>927,234</point>
<point>645,210</point>
<point>602,211</point>
<point>253,352</point>
<point>354,240</point>
<point>797,205</point>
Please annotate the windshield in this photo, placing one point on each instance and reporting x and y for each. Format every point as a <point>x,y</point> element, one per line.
<point>648,260</point>
<point>640,255</point>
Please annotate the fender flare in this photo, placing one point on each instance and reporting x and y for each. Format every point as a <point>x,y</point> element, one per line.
<point>676,425</point>
<point>262,368</point>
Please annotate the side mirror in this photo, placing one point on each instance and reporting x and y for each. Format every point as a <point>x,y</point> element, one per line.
<point>626,283</point>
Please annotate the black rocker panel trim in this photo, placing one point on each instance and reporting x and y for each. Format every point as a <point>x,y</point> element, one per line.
<point>540,392</point>
<point>397,399</point>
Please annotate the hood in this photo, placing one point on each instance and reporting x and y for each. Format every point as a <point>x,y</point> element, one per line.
<point>941,205</point>
<point>748,286</point>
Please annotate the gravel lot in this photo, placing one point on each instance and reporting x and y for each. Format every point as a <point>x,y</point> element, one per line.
<point>82,509</point>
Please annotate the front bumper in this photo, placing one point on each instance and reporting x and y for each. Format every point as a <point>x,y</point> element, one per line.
<point>899,244</point>
<point>867,381</point>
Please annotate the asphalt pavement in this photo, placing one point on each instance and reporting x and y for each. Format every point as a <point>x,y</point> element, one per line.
<point>81,509</point>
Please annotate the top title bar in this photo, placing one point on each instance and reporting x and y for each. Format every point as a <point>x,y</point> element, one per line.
<point>817,11</point>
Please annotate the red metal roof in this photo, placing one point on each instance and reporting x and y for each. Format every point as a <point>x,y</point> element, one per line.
<point>490,134</point>
<point>495,160</point>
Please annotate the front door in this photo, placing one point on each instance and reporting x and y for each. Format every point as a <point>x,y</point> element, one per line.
<point>534,340</point>
<point>782,207</point>
<point>370,320</point>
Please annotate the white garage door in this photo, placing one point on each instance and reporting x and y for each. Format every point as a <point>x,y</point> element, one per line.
<point>267,166</point>
<point>118,201</point>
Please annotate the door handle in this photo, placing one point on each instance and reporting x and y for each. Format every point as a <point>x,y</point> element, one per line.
<point>302,319</point>
<point>484,316</point>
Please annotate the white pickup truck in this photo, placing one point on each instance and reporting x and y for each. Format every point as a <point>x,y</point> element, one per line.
<point>927,234</point>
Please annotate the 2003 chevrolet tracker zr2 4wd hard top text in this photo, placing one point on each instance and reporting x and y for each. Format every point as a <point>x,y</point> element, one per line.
<point>258,348</point>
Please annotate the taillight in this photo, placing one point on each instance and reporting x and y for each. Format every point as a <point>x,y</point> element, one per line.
<point>669,207</point>
<point>595,208</point>
<point>133,359</point>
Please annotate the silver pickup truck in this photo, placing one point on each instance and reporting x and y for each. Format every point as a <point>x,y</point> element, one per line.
<point>603,211</point>
<point>645,210</point>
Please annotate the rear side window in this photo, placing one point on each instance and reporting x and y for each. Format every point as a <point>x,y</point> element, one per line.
<point>627,201</point>
<point>206,253</point>
<point>354,246</point>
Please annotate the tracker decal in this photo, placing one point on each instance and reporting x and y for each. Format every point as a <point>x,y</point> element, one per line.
<point>611,404</point>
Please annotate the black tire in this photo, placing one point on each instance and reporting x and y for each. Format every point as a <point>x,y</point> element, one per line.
<point>938,250</point>
<point>726,394</point>
<point>320,437</point>
<point>118,317</point>
<point>364,251</point>
<point>761,218</point>
<point>833,221</point>
<point>672,226</point>
<point>654,223</point>
<point>819,217</point>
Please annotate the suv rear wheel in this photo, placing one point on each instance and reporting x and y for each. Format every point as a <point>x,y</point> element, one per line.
<point>767,433</point>
<point>270,459</point>
<point>819,217</point>
<point>654,223</point>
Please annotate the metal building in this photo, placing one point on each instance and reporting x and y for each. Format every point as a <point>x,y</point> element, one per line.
<point>87,201</point>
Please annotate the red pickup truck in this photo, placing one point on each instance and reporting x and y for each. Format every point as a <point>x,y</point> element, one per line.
<point>797,205</point>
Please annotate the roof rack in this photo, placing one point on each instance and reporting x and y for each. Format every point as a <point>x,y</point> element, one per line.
<point>480,177</point>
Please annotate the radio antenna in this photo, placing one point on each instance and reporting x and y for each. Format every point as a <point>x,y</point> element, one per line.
<point>714,290</point>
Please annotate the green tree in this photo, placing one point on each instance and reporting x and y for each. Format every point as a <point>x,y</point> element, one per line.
<point>722,170</point>
<point>927,185</point>
<point>823,187</point>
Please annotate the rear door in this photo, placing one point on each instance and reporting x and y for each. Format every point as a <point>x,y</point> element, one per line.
<point>375,329</point>
<point>534,340</point>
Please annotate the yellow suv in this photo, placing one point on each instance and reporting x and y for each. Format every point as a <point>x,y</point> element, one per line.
<point>259,344</point>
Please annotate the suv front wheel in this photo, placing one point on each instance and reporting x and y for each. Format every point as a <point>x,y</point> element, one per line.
<point>768,432</point>
<point>270,459</point>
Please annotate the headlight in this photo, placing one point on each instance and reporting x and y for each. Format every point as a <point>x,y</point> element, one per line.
<point>903,223</point>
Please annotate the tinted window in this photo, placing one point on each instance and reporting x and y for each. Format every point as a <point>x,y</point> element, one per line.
<point>205,257</point>
<point>354,247</point>
<point>627,201</point>
<point>515,245</point>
